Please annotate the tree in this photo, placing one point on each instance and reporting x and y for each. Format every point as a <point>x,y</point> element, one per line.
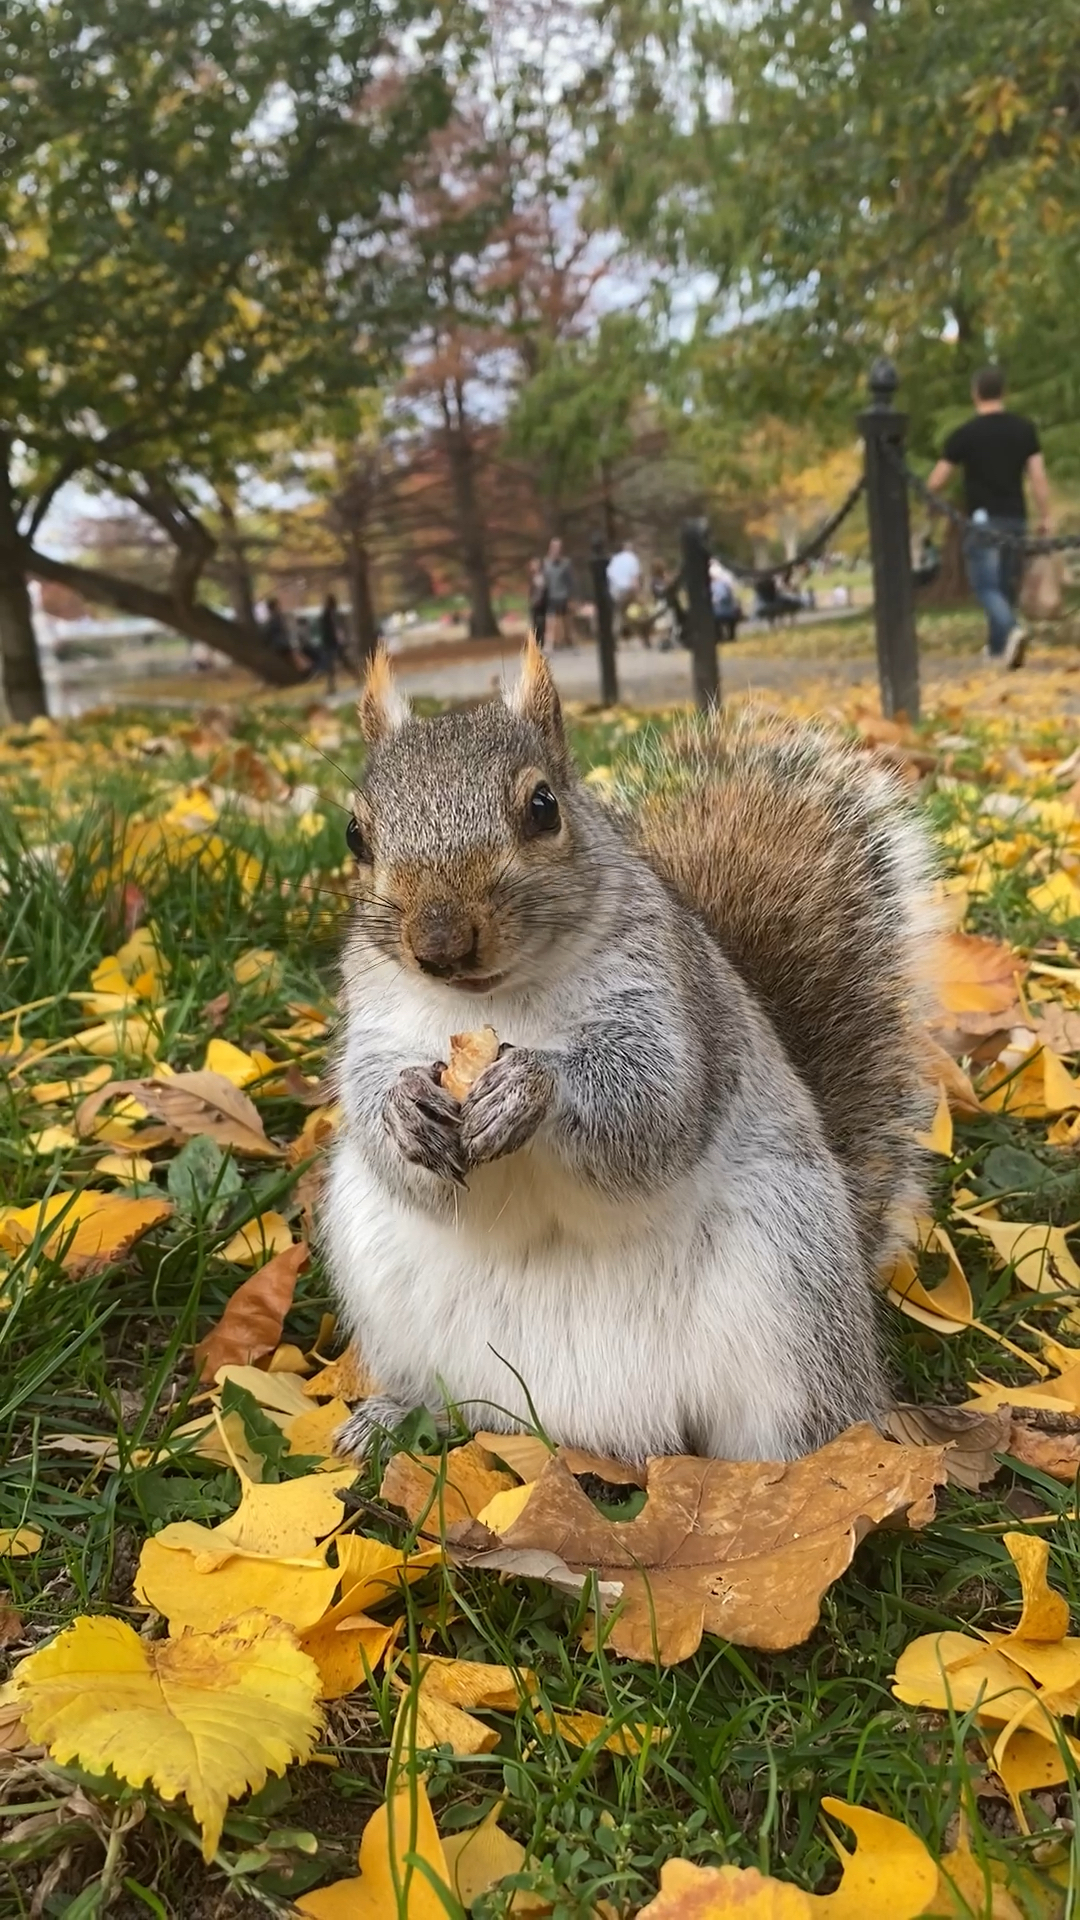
<point>195,236</point>
<point>856,174</point>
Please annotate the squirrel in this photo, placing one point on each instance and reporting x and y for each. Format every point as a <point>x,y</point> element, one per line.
<point>653,1225</point>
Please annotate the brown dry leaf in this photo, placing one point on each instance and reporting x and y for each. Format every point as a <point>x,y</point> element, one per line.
<point>11,1623</point>
<point>1057,1454</point>
<point>971,1438</point>
<point>251,1324</point>
<point>191,1103</point>
<point>470,1053</point>
<point>743,1549</point>
<point>215,1010</point>
<point>974,975</point>
<point>455,1490</point>
<point>346,1378</point>
<point>524,1453</point>
<point>943,1068</point>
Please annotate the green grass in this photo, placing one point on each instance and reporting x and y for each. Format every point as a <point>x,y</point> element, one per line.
<point>755,1740</point>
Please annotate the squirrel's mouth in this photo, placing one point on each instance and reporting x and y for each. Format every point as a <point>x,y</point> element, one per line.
<point>471,983</point>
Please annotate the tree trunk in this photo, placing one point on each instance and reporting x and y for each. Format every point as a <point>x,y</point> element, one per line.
<point>483,624</point>
<point>242,644</point>
<point>950,584</point>
<point>365,627</point>
<point>21,687</point>
<point>235,568</point>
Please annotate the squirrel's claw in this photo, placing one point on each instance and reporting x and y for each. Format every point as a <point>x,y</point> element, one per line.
<point>424,1122</point>
<point>506,1105</point>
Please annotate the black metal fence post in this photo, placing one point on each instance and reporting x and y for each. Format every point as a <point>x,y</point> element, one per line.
<point>605,623</point>
<point>702,625</point>
<point>883,430</point>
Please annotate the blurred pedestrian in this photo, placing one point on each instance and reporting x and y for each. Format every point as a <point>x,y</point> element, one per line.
<point>538,602</point>
<point>559,587</point>
<point>624,582</point>
<point>331,641</point>
<point>275,631</point>
<point>998,451</point>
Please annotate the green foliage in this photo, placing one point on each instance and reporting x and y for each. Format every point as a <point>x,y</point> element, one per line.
<point>190,222</point>
<point>856,177</point>
<point>576,416</point>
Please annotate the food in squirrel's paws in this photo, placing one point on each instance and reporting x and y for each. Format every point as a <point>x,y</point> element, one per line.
<point>470,1053</point>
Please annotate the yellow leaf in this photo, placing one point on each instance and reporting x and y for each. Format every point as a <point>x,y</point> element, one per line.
<point>974,975</point>
<point>288,1359</point>
<point>258,1240</point>
<point>1045,1614</point>
<point>1038,1085</point>
<point>944,1670</point>
<point>371,1572</point>
<point>426,1720</point>
<point>53,1140</point>
<point>125,1167</point>
<point>689,1892</point>
<point>1039,1254</point>
<point>890,1874</point>
<point>257,964</point>
<point>283,1521</point>
<point>969,1886</point>
<point>206,1716</point>
<point>1058,897</point>
<point>480,1857</point>
<point>276,1392</point>
<point>340,1651</point>
<point>947,1307</point>
<point>48,1092</point>
<point>387,1886</point>
<point>346,1378</point>
<point>580,1729</point>
<point>96,1228</point>
<point>313,1432</point>
<point>241,1068</point>
<point>17,1542</point>
<point>940,1137</point>
<point>506,1507</point>
<point>128,1033</point>
<point>524,1453</point>
<point>173,1582</point>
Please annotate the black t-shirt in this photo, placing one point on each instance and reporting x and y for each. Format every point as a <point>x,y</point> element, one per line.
<point>994,449</point>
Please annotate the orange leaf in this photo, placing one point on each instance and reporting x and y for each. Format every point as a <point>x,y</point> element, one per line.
<point>251,1324</point>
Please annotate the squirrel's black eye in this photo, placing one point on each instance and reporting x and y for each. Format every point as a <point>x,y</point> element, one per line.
<point>543,814</point>
<point>354,840</point>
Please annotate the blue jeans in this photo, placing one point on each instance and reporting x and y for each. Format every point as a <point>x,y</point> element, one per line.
<point>995,574</point>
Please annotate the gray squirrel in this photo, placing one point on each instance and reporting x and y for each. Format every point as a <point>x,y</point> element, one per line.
<point>653,1225</point>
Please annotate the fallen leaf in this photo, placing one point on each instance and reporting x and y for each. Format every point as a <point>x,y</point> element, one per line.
<point>48,1093</point>
<point>1037,1085</point>
<point>215,1010</point>
<point>127,1033</point>
<point>387,1886</point>
<point>689,1892</point>
<point>53,1140</point>
<point>276,1392</point>
<point>1038,1254</point>
<point>234,1065</point>
<point>974,975</point>
<point>315,1431</point>
<point>316,1133</point>
<point>890,1873</point>
<point>470,1053</point>
<point>129,1168</point>
<point>1057,1454</point>
<point>970,1437</point>
<point>580,1729</point>
<point>251,1324</point>
<point>206,1716</point>
<point>372,1572</point>
<point>524,1453</point>
<point>346,1378</point>
<point>257,965</point>
<point>11,1622</point>
<point>1045,1614</point>
<point>191,1103</point>
<point>426,1720</point>
<point>457,1488</point>
<point>506,1507</point>
<point>480,1857</point>
<point>1058,896</point>
<point>288,1358</point>
<point>954,1670</point>
<point>340,1650</point>
<point>258,1240</point>
<point>948,1308</point>
<point>175,1583</point>
<point>20,1540</point>
<point>743,1549</point>
<point>282,1521</point>
<point>95,1230</point>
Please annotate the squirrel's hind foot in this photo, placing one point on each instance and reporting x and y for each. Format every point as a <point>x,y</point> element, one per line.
<point>354,1438</point>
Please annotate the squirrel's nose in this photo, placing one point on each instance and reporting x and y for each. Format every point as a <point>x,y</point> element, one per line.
<point>443,937</point>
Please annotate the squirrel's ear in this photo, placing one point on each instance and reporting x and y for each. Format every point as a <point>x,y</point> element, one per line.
<point>382,708</point>
<point>536,699</point>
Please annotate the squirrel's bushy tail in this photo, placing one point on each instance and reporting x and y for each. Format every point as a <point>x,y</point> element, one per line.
<point>803,857</point>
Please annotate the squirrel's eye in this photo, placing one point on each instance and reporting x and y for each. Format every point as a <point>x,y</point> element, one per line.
<point>354,840</point>
<point>543,814</point>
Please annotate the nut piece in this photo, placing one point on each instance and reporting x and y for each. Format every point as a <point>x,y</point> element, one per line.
<point>470,1053</point>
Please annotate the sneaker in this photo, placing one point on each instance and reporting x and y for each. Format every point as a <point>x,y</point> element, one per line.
<point>1015,649</point>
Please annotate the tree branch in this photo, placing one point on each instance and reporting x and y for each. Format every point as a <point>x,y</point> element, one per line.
<point>242,644</point>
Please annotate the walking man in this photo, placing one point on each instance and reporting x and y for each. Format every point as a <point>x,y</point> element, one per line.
<point>559,582</point>
<point>997,451</point>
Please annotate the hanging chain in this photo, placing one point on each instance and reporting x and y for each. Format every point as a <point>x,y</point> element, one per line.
<point>809,549</point>
<point>984,535</point>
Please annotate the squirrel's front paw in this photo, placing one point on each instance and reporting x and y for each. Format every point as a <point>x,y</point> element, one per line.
<point>506,1105</point>
<point>424,1122</point>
